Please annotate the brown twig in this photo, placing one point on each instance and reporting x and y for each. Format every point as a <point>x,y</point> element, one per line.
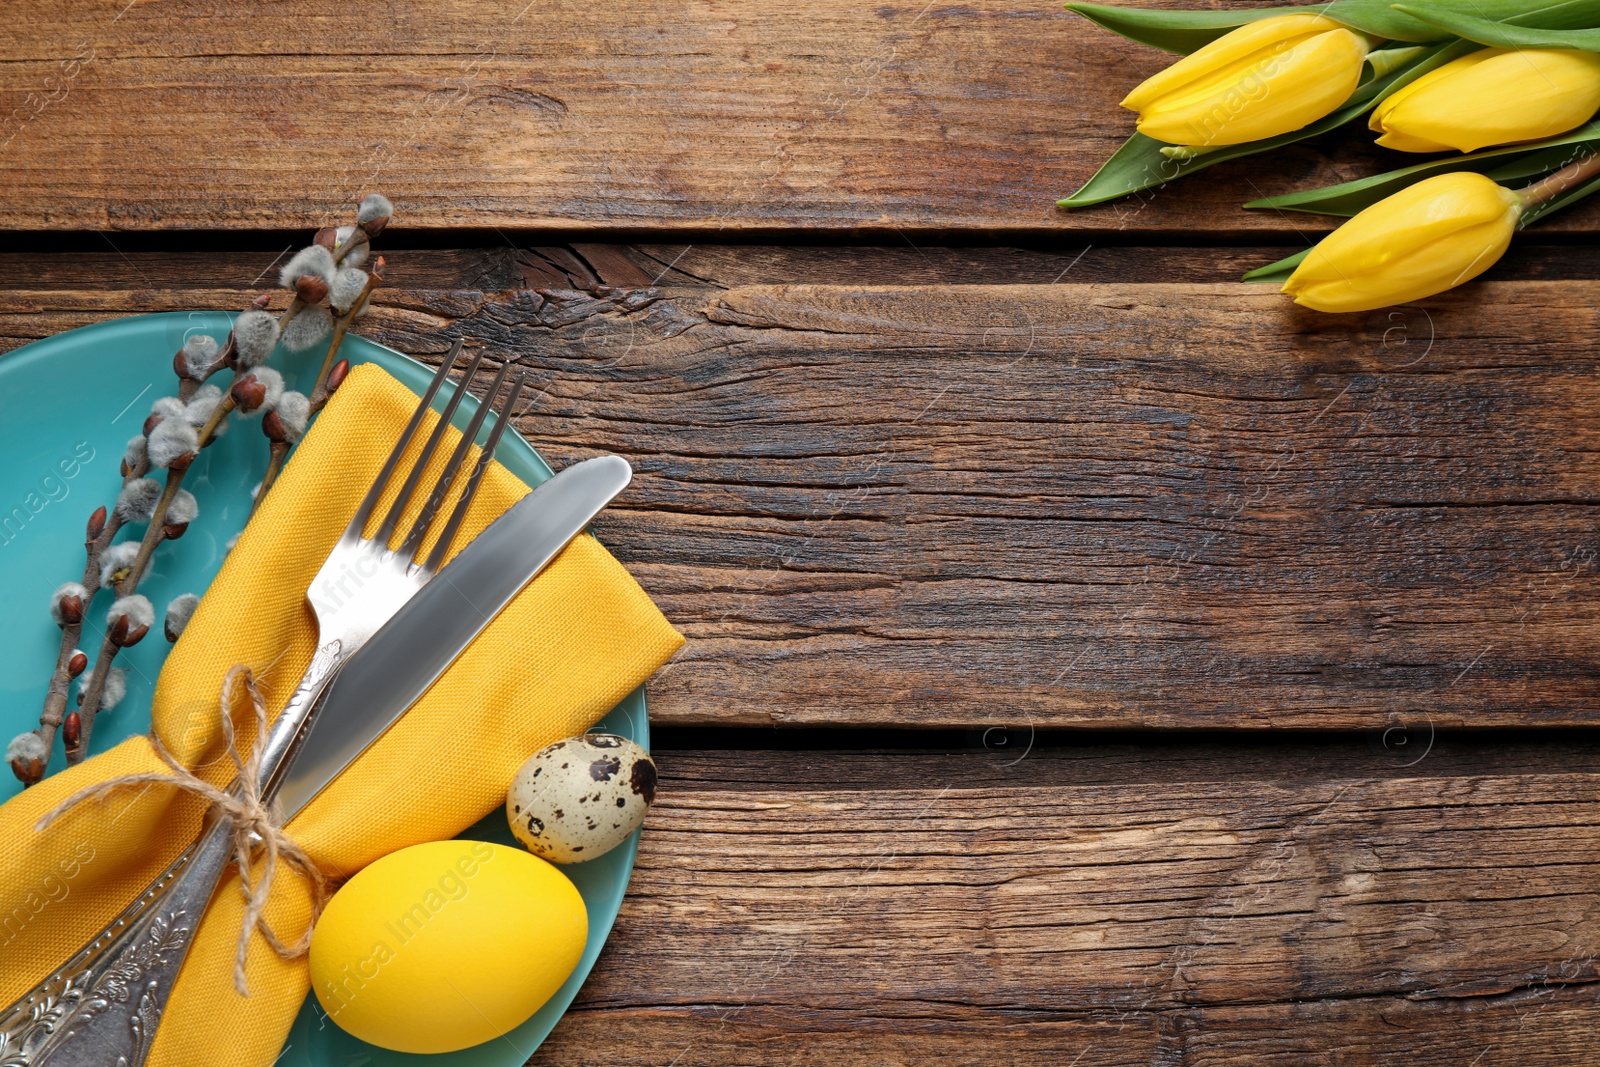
<point>102,529</point>
<point>55,700</point>
<point>278,453</point>
<point>329,377</point>
<point>92,695</point>
<point>154,534</point>
<point>358,237</point>
<point>319,392</point>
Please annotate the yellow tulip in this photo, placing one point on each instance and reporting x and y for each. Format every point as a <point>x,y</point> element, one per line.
<point>1267,77</point>
<point>1491,97</point>
<point>1423,240</point>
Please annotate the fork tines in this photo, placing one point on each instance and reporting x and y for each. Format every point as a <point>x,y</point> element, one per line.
<point>441,547</point>
<point>411,546</point>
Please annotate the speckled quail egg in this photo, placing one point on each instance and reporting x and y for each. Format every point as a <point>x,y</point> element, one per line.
<point>581,798</point>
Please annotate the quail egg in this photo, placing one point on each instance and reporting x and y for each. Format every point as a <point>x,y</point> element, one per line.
<point>581,797</point>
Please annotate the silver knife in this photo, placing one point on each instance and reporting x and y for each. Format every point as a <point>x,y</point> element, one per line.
<point>392,671</point>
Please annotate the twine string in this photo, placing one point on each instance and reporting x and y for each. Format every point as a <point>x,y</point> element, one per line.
<point>253,825</point>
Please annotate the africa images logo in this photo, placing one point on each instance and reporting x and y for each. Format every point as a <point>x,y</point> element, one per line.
<point>52,488</point>
<point>452,885</point>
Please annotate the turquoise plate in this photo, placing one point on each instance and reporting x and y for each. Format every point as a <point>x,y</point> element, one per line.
<point>68,405</point>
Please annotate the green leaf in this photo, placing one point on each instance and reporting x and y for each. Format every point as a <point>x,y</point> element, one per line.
<point>1183,32</point>
<point>1536,164</point>
<point>1277,272</point>
<point>1186,31</point>
<point>1500,164</point>
<point>1565,25</point>
<point>1139,164</point>
<point>1173,31</point>
<point>1396,22</point>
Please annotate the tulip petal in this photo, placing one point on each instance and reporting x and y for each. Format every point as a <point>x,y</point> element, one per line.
<point>1464,105</point>
<point>1251,41</point>
<point>1402,142</point>
<point>1423,273</point>
<point>1425,212</point>
<point>1262,95</point>
<point>1433,77</point>
<point>1422,240</point>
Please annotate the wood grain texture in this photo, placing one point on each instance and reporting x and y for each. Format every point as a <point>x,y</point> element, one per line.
<point>1082,506</point>
<point>731,266</point>
<point>1547,1026</point>
<point>1339,921</point>
<point>1161,505</point>
<point>141,261</point>
<point>690,116</point>
<point>129,264</point>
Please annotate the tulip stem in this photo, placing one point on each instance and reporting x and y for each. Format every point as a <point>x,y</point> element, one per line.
<point>1387,60</point>
<point>1553,185</point>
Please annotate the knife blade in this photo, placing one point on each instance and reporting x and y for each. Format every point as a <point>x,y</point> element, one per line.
<point>391,672</point>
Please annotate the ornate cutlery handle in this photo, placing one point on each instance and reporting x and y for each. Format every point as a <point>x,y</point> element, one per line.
<point>101,1008</point>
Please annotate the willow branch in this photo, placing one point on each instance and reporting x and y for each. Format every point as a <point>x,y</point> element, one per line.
<point>279,452</point>
<point>154,535</point>
<point>55,699</point>
<point>103,527</point>
<point>92,694</point>
<point>319,392</point>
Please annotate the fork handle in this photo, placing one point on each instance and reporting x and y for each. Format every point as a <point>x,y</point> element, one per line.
<point>102,1007</point>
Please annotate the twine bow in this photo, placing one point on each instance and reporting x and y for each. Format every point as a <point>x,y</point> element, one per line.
<point>254,825</point>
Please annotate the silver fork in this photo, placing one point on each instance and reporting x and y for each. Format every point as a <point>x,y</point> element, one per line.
<point>102,1006</point>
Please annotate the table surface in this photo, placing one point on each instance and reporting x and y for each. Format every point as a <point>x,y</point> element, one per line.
<point>1092,659</point>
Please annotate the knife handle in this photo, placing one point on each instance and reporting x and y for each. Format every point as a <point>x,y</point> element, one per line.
<point>102,1006</point>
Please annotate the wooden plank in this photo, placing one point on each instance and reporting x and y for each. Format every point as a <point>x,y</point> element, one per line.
<point>1162,505</point>
<point>690,117</point>
<point>1082,506</point>
<point>1323,920</point>
<point>132,264</point>
<point>142,261</point>
<point>1549,1026</point>
<point>731,266</point>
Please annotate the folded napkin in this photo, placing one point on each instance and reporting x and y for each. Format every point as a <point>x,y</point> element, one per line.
<point>563,653</point>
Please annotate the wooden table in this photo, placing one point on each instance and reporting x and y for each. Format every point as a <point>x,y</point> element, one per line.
<point>1093,660</point>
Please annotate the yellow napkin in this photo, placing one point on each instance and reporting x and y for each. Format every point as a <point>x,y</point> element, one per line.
<point>573,644</point>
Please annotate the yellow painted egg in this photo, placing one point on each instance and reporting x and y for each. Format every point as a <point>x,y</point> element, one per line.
<point>440,946</point>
